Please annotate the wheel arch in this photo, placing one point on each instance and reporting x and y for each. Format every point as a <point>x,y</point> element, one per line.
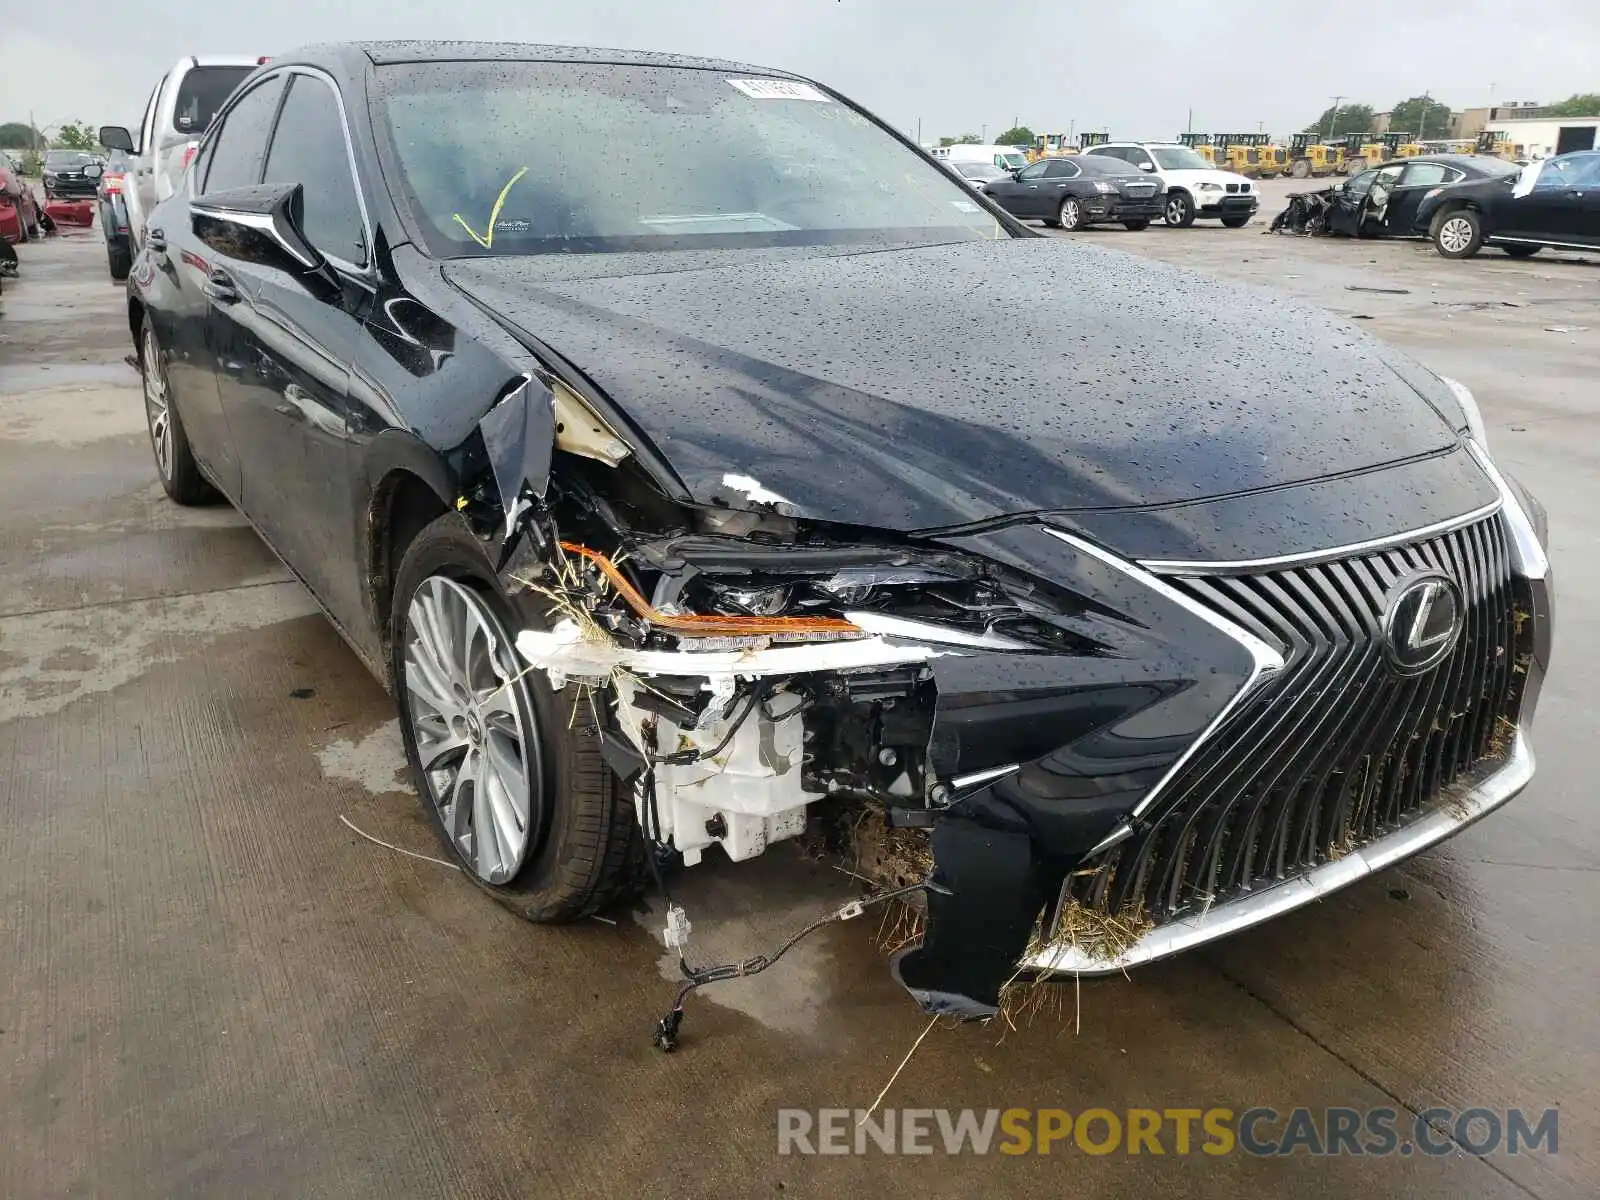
<point>409,489</point>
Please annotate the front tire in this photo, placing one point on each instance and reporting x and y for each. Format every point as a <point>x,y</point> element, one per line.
<point>1179,210</point>
<point>1236,222</point>
<point>1457,233</point>
<point>175,462</point>
<point>510,771</point>
<point>1301,168</point>
<point>1136,226</point>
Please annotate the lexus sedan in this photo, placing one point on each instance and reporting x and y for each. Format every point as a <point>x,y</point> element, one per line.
<point>1554,202</point>
<point>742,471</point>
<point>1077,190</point>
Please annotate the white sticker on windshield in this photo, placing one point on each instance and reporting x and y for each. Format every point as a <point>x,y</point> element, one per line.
<point>779,89</point>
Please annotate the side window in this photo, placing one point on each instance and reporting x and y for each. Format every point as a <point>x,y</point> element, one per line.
<point>1035,170</point>
<point>309,149</point>
<point>1138,157</point>
<point>1360,185</point>
<point>1427,175</point>
<point>1061,168</point>
<point>1110,152</point>
<point>241,143</point>
<point>1586,171</point>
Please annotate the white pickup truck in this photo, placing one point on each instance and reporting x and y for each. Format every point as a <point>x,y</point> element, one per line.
<point>175,119</point>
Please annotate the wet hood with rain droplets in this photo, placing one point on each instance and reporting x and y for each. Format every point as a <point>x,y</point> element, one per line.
<point>932,386</point>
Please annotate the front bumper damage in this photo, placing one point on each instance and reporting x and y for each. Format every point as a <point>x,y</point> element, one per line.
<point>1068,729</point>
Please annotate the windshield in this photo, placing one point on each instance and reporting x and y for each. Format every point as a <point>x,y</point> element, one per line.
<point>67,158</point>
<point>983,171</point>
<point>200,95</point>
<point>543,157</point>
<point>1178,158</point>
<point>1015,160</point>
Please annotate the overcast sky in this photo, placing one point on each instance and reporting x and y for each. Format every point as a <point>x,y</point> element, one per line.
<point>955,65</point>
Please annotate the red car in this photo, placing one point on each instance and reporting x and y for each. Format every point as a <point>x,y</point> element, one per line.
<point>19,209</point>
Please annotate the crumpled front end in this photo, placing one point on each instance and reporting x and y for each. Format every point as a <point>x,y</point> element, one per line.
<point>1087,743</point>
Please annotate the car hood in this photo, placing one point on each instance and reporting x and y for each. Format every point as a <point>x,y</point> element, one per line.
<point>926,387</point>
<point>1190,178</point>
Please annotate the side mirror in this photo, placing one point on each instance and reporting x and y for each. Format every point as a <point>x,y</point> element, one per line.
<point>115,137</point>
<point>260,224</point>
<point>1144,166</point>
<point>93,170</point>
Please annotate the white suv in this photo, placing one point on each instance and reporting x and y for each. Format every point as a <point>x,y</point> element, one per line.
<point>1192,188</point>
<point>175,119</point>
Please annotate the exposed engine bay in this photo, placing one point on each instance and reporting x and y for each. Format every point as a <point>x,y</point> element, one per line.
<point>746,666</point>
<point>1024,704</point>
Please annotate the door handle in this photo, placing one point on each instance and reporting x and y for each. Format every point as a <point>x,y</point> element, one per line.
<point>220,287</point>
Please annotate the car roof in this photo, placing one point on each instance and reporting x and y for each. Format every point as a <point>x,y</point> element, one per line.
<point>383,53</point>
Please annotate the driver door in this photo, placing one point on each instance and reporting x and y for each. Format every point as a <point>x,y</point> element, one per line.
<point>290,339</point>
<point>1022,196</point>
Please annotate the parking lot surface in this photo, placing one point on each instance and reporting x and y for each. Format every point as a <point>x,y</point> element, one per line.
<point>213,986</point>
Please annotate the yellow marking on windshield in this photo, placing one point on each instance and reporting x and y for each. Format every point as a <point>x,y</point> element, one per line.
<point>486,239</point>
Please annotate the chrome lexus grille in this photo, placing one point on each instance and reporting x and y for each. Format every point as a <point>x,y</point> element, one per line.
<point>1336,748</point>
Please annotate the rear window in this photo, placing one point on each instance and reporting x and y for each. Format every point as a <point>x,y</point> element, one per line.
<point>201,94</point>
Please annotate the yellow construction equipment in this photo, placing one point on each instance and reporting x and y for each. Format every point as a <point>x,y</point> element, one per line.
<point>1050,145</point>
<point>1362,150</point>
<point>1307,157</point>
<point>1400,145</point>
<point>1200,143</point>
<point>1085,140</point>
<point>1247,153</point>
<point>1497,144</point>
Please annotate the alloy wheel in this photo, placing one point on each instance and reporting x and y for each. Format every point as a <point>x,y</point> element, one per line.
<point>1071,214</point>
<point>472,723</point>
<point>1455,235</point>
<point>156,412</point>
<point>1177,209</point>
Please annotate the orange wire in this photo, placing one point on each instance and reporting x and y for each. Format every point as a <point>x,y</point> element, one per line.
<point>698,624</point>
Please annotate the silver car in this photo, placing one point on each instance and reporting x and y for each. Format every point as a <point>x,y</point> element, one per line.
<point>176,117</point>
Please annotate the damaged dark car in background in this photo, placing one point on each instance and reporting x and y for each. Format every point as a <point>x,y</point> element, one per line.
<point>692,490</point>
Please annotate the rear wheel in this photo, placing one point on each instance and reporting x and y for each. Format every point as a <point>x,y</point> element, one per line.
<point>175,463</point>
<point>510,771</point>
<point>1301,168</point>
<point>1070,214</point>
<point>1457,233</point>
<point>1179,210</point>
<point>1136,226</point>
<point>1522,251</point>
<point>1357,165</point>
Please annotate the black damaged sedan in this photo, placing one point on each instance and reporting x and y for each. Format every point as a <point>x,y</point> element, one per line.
<point>695,458</point>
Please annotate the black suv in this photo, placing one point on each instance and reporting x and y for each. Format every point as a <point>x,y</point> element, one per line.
<point>1554,203</point>
<point>64,173</point>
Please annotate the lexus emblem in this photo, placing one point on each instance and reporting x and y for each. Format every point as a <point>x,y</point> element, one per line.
<point>1421,622</point>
